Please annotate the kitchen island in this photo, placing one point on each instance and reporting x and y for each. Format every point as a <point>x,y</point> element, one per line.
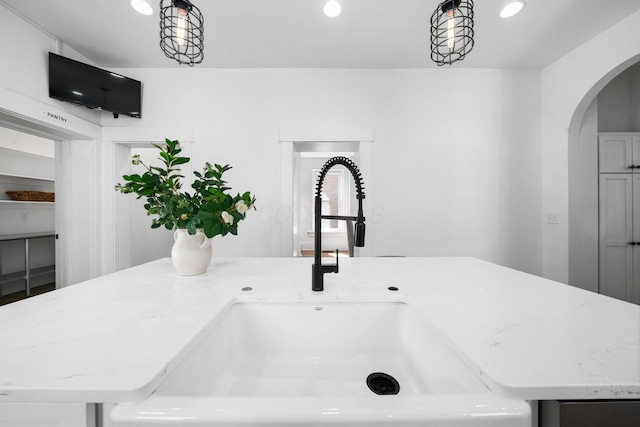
<point>116,338</point>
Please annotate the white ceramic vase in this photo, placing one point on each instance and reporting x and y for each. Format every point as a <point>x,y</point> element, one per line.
<point>190,254</point>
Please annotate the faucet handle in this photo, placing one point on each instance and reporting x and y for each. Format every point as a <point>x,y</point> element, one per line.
<point>337,263</point>
<point>359,234</point>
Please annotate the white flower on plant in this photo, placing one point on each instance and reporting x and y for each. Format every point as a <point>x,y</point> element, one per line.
<point>241,207</point>
<point>227,218</point>
<point>135,160</point>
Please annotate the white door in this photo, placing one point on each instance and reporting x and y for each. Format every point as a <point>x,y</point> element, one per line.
<point>634,290</point>
<point>615,153</point>
<point>635,153</point>
<point>616,235</point>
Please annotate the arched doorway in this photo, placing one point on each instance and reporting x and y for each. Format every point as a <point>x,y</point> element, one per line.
<point>583,203</point>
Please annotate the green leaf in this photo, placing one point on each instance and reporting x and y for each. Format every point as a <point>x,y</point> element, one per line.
<point>213,228</point>
<point>171,145</point>
<point>207,216</point>
<point>207,228</point>
<point>228,202</point>
<point>167,157</point>
<point>191,227</point>
<point>181,160</point>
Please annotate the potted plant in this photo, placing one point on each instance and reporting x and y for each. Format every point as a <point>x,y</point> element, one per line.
<point>195,217</point>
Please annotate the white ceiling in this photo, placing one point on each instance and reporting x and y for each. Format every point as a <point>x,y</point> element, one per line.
<point>295,33</point>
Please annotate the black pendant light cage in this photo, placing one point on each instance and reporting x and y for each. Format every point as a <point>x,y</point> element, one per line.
<point>451,31</point>
<point>181,31</point>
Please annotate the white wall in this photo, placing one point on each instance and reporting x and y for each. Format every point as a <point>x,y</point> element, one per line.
<point>583,204</point>
<point>25,65</point>
<point>569,85</point>
<point>479,156</point>
<point>455,158</point>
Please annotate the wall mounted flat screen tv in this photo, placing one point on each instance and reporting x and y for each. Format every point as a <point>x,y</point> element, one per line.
<point>93,87</point>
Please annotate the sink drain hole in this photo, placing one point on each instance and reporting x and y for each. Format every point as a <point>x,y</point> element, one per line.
<point>381,383</point>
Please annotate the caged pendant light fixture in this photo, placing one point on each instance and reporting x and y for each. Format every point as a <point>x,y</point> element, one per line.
<point>181,31</point>
<point>451,31</point>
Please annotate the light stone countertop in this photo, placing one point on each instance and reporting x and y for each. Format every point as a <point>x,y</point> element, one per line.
<point>116,338</point>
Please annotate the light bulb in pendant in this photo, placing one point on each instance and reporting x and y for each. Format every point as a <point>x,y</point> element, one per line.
<point>451,28</point>
<point>181,28</point>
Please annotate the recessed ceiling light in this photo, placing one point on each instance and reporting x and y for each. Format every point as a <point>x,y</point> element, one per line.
<point>332,8</point>
<point>511,9</point>
<point>141,6</point>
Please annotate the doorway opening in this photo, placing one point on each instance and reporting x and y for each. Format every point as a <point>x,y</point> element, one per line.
<point>136,242</point>
<point>27,209</point>
<point>337,198</point>
<point>327,139</point>
<point>609,113</point>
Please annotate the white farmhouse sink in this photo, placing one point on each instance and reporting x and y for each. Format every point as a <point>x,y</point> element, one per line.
<point>307,362</point>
